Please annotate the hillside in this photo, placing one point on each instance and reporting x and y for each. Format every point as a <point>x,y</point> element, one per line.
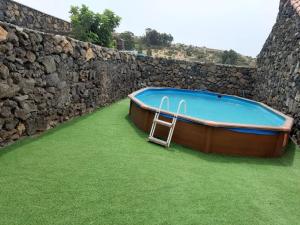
<point>157,44</point>
<point>196,54</point>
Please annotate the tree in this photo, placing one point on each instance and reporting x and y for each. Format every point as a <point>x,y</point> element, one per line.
<point>128,38</point>
<point>166,39</point>
<point>151,37</point>
<point>154,38</point>
<point>189,51</point>
<point>229,57</point>
<point>93,27</point>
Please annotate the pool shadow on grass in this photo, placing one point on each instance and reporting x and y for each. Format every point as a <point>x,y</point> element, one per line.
<point>285,161</point>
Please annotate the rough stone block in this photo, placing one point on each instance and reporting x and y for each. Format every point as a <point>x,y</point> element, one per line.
<point>3,34</point>
<point>49,64</point>
<point>8,91</point>
<point>89,54</point>
<point>11,124</point>
<point>5,111</point>
<point>4,72</point>
<point>52,80</point>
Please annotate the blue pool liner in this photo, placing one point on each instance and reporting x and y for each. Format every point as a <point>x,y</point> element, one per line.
<point>278,119</point>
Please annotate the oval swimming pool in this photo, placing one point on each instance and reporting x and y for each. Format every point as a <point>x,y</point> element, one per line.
<point>215,122</point>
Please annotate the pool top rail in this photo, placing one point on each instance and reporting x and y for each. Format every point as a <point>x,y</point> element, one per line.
<point>286,127</point>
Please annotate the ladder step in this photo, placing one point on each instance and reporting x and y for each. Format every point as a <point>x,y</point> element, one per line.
<point>164,123</point>
<point>158,141</point>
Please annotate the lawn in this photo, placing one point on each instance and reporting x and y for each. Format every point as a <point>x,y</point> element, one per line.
<point>99,169</point>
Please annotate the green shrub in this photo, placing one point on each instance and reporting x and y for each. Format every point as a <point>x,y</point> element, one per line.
<point>93,27</point>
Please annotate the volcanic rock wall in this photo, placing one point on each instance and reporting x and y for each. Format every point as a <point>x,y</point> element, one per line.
<point>278,79</point>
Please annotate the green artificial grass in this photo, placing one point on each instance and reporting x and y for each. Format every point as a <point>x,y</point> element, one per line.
<point>99,169</point>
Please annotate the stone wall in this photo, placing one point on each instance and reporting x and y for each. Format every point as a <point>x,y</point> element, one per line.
<point>182,74</point>
<point>46,79</point>
<point>21,15</point>
<point>278,78</point>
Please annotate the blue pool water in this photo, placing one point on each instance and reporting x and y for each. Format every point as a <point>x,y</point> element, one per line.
<point>213,107</point>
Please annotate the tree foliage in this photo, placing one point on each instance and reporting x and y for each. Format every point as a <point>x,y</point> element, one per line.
<point>93,27</point>
<point>154,38</point>
<point>128,37</point>
<point>149,52</point>
<point>140,49</point>
<point>230,57</point>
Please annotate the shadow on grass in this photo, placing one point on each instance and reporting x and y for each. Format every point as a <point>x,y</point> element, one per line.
<point>61,126</point>
<point>139,132</point>
<point>30,139</point>
<point>286,160</point>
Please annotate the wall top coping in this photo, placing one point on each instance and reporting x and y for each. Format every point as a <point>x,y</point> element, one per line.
<point>38,11</point>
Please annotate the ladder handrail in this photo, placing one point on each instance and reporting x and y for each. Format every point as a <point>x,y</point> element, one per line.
<point>162,102</point>
<point>165,98</point>
<point>179,107</point>
<point>171,125</point>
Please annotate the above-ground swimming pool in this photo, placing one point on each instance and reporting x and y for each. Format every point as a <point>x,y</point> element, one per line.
<point>214,122</point>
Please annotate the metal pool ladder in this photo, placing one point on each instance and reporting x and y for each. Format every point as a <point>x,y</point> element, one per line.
<point>171,125</point>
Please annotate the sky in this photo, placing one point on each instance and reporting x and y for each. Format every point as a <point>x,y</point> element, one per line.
<point>241,25</point>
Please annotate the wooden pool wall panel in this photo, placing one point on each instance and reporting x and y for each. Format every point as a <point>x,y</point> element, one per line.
<point>210,139</point>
